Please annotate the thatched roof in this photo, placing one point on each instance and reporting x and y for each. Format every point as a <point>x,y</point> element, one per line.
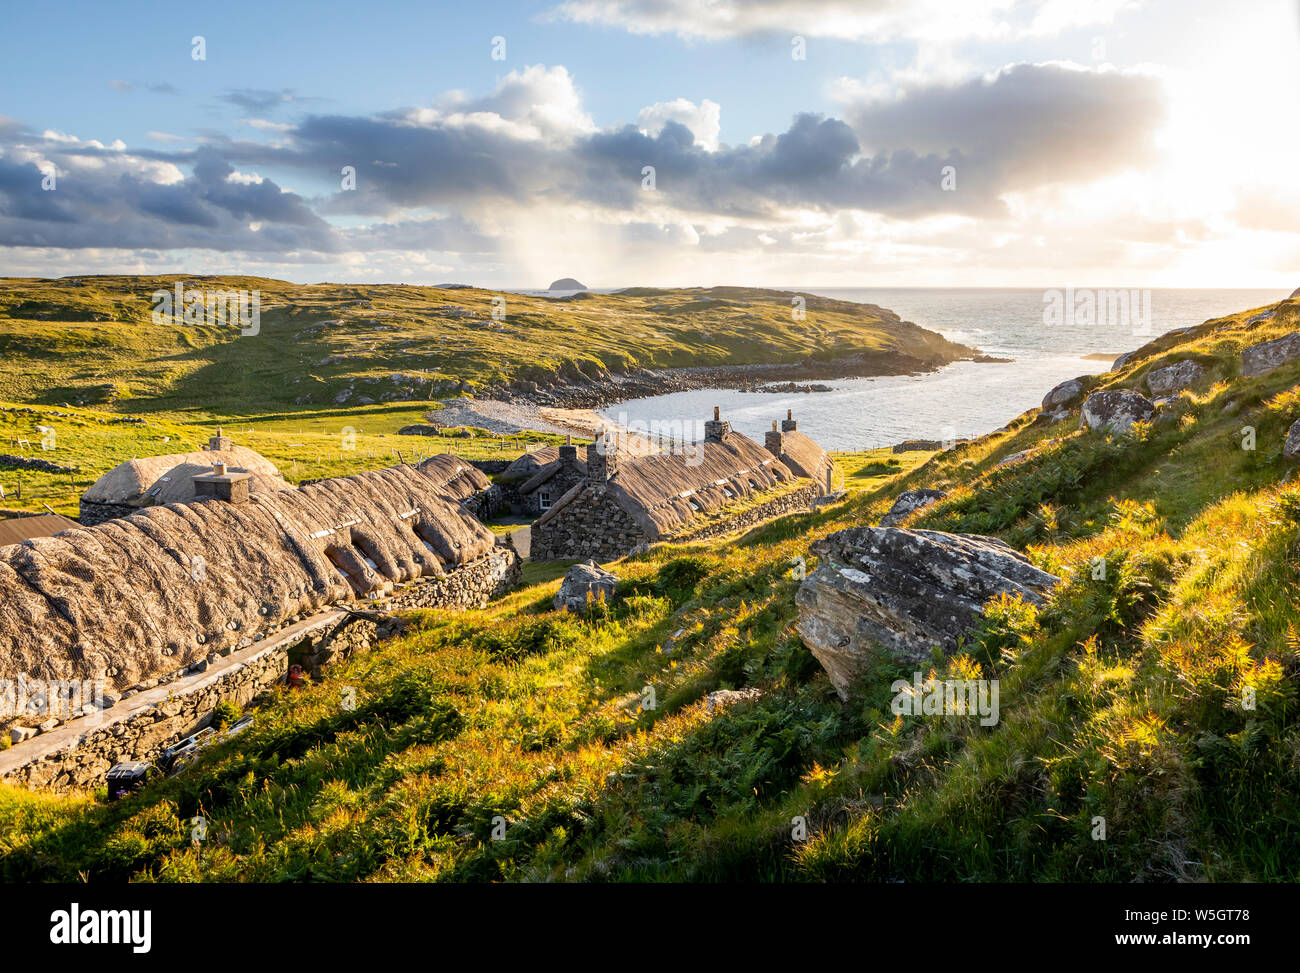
<point>459,480</point>
<point>139,596</point>
<point>169,479</point>
<point>662,491</point>
<point>804,457</point>
<point>529,463</point>
<point>545,474</point>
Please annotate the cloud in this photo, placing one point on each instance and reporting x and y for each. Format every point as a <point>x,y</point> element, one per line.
<point>1022,126</point>
<point>471,174</point>
<point>855,20</point>
<point>105,196</point>
<point>260,101</point>
<point>703,120</point>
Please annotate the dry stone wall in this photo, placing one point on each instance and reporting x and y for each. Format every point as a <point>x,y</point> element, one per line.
<point>788,503</point>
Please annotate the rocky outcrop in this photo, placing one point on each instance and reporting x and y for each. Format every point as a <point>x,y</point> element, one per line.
<point>1291,450</point>
<point>909,501</point>
<point>1180,375</point>
<point>1122,361</point>
<point>1262,358</point>
<point>566,284</point>
<point>901,592</point>
<point>583,584</point>
<point>1065,394</point>
<point>1115,410</point>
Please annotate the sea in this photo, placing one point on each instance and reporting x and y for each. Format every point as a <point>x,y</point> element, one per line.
<point>1048,335</point>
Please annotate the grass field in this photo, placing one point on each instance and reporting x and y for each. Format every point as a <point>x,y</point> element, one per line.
<point>91,341</point>
<point>516,744</point>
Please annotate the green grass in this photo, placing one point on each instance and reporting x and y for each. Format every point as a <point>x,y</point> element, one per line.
<point>91,342</point>
<point>1121,699</point>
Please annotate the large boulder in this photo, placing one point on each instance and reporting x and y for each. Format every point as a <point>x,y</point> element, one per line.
<point>581,580</point>
<point>1067,393</point>
<point>1180,375</point>
<point>1291,451</point>
<point>902,592</point>
<point>908,501</point>
<point>1267,355</point>
<point>1295,293</point>
<point>1114,410</point>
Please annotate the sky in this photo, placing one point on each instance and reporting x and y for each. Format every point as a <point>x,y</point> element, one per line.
<point>852,143</point>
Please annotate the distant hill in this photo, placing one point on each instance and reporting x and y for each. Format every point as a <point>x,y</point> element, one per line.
<point>566,284</point>
<point>92,342</point>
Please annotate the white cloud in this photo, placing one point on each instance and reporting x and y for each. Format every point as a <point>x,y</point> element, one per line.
<point>704,119</point>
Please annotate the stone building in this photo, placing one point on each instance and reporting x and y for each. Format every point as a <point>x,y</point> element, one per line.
<point>540,491</point>
<point>720,484</point>
<point>157,480</point>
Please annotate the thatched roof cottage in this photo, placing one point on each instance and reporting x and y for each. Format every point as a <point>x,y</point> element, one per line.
<point>724,482</point>
<point>134,597</point>
<point>158,480</point>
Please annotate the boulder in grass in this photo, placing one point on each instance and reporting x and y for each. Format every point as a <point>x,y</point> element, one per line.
<point>1174,377</point>
<point>893,593</point>
<point>1291,451</point>
<point>908,501</point>
<point>1067,393</point>
<point>1115,410</point>
<point>582,580</point>
<point>1262,358</point>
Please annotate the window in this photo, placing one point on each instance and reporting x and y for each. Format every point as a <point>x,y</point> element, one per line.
<point>543,501</point>
<point>730,493</point>
<point>695,506</point>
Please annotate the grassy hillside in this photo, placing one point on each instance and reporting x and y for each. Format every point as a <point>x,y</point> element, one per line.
<point>91,341</point>
<point>1121,699</point>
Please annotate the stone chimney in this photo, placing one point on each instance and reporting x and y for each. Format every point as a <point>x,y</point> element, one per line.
<point>602,460</point>
<point>219,441</point>
<point>789,423</point>
<point>774,440</point>
<point>568,454</point>
<point>716,428</point>
<point>222,484</point>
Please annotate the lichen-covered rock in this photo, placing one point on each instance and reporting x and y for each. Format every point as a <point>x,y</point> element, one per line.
<point>583,580</point>
<point>1115,410</point>
<point>1180,375</point>
<point>1267,355</point>
<point>902,592</point>
<point>1291,451</point>
<point>1067,393</point>
<point>909,501</point>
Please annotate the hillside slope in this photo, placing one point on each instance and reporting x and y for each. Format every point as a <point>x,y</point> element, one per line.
<point>91,341</point>
<point>1122,699</point>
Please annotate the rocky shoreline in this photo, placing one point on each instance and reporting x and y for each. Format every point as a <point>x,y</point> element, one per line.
<point>583,392</point>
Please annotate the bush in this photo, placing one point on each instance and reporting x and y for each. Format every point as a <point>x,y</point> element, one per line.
<point>226,712</point>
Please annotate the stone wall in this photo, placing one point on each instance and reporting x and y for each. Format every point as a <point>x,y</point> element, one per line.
<point>152,716</point>
<point>564,480</point>
<point>92,513</point>
<point>797,500</point>
<point>591,525</point>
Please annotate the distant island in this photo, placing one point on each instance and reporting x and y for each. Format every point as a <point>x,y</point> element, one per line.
<point>566,284</point>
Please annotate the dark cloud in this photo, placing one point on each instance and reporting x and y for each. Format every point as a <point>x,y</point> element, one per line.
<point>261,101</point>
<point>1025,127</point>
